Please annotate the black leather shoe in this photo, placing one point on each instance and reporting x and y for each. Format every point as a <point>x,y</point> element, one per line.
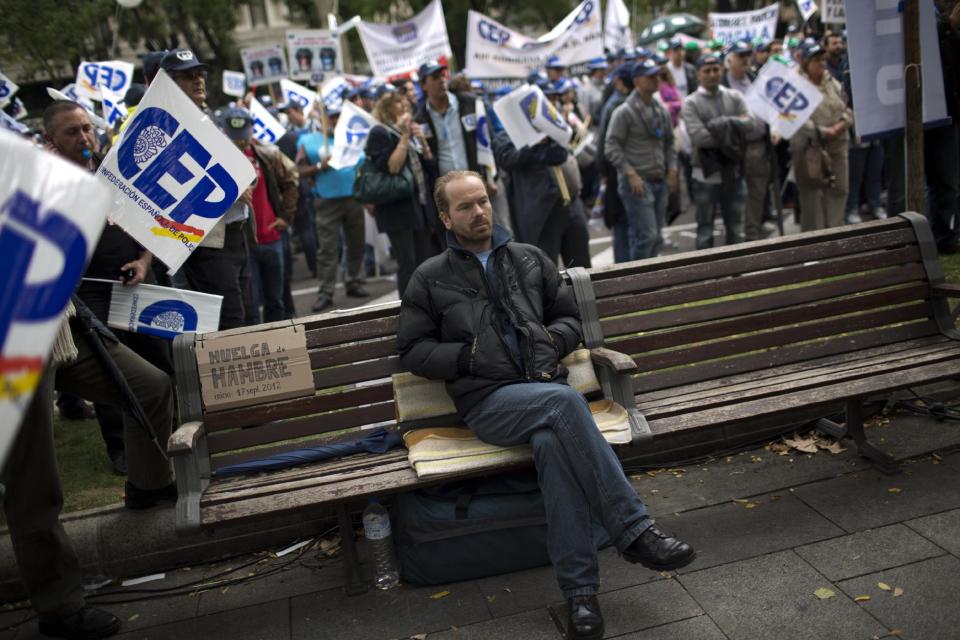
<point>136,498</point>
<point>323,303</point>
<point>584,622</point>
<point>118,462</point>
<point>357,291</point>
<point>89,623</point>
<point>659,551</point>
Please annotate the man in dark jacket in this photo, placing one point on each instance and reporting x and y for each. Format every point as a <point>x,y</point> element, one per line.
<point>493,318</point>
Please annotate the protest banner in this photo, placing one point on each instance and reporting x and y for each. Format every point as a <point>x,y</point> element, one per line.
<point>485,156</point>
<point>51,216</point>
<point>10,124</point>
<point>112,107</point>
<point>806,8</point>
<point>496,51</point>
<point>746,25</point>
<point>527,116</point>
<point>875,35</point>
<point>313,51</point>
<point>266,128</point>
<point>616,26</point>
<point>782,98</point>
<point>7,89</point>
<point>393,49</point>
<point>234,83</point>
<point>350,136</point>
<point>164,201</point>
<point>833,12</point>
<point>264,65</point>
<point>115,75</point>
<point>162,311</point>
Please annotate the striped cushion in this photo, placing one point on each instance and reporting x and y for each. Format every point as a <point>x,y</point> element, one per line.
<point>451,450</point>
<point>418,398</point>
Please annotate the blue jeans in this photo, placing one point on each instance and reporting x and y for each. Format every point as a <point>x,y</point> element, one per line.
<point>579,474</point>
<point>266,280</point>
<point>621,240</point>
<point>646,216</point>
<point>731,199</point>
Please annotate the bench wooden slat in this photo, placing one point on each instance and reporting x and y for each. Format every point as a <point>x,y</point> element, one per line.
<point>324,423</point>
<point>349,316</point>
<point>362,330</point>
<point>354,352</point>
<point>784,355</point>
<point>787,276</point>
<point>260,414</point>
<point>359,372</point>
<point>752,323</point>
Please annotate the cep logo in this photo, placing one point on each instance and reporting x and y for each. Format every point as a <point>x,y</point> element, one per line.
<point>153,150</point>
<point>491,32</point>
<point>234,83</point>
<point>585,13</point>
<point>109,77</point>
<point>785,97</point>
<point>303,101</point>
<point>167,319</point>
<point>357,130</point>
<point>405,33</point>
<point>4,89</point>
<point>262,133</point>
<point>22,229</point>
<point>482,140</point>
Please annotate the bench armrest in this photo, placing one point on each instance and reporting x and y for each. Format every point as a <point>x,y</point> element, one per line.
<point>184,440</point>
<point>946,289</point>
<point>615,373</point>
<point>613,360</point>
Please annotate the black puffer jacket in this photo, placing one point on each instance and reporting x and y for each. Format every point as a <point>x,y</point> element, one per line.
<point>481,331</point>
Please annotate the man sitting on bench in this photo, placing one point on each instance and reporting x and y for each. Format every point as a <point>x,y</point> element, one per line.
<point>493,318</point>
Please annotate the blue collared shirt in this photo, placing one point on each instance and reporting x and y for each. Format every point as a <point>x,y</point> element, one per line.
<point>451,146</point>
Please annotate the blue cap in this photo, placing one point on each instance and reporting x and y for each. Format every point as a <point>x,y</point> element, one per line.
<point>642,53</point>
<point>598,64</point>
<point>180,60</point>
<point>645,68</point>
<point>429,68</point>
<point>811,50</point>
<point>740,47</point>
<point>659,58</point>
<point>553,62</point>
<point>676,42</point>
<point>630,55</point>
<point>624,72</point>
<point>536,77</point>
<point>707,59</point>
<point>236,123</point>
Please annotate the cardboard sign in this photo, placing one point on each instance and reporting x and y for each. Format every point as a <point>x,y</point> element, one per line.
<point>393,49</point>
<point>115,75</point>
<point>252,368</point>
<point>7,89</point>
<point>313,51</point>
<point>496,51</point>
<point>746,25</point>
<point>266,128</point>
<point>172,174</point>
<point>350,136</point>
<point>163,312</point>
<point>264,65</point>
<point>234,83</point>
<point>51,216</point>
<point>782,98</point>
<point>833,12</point>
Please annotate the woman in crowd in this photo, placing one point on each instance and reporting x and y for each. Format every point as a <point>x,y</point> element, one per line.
<point>819,148</point>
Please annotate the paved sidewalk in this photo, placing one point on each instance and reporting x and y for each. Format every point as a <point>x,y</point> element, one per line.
<point>771,531</point>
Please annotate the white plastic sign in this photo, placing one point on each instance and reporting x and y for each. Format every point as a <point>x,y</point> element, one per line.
<point>316,51</point>
<point>115,75</point>
<point>161,311</point>
<point>350,136</point>
<point>782,98</point>
<point>234,83</point>
<point>266,128</point>
<point>394,49</point>
<point>264,65</point>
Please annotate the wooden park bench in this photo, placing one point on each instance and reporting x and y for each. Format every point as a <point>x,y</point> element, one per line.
<point>736,342</point>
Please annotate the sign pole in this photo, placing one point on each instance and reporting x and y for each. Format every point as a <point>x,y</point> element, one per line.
<point>913,88</point>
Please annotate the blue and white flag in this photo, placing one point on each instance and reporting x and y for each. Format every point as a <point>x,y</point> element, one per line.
<point>115,75</point>
<point>51,216</point>
<point>7,89</point>
<point>161,311</point>
<point>298,93</point>
<point>114,111</point>
<point>484,143</point>
<point>333,91</point>
<point>234,83</point>
<point>350,136</point>
<point>782,98</point>
<point>807,8</point>
<point>97,121</point>
<point>514,116</point>
<point>172,174</point>
<point>616,26</point>
<point>10,124</point>
<point>266,128</point>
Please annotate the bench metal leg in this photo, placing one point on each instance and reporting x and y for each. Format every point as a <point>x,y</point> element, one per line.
<point>853,428</point>
<point>353,582</point>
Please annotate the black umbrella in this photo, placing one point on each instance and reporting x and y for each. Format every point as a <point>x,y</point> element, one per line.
<point>666,26</point>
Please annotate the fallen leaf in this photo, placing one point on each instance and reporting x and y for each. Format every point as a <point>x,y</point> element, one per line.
<point>749,505</point>
<point>894,490</point>
<point>741,500</point>
<point>774,498</point>
<point>937,457</point>
<point>133,617</point>
<point>861,598</point>
<point>823,593</point>
<point>832,446</point>
<point>507,589</point>
<point>419,636</point>
<point>439,594</point>
<point>225,589</point>
<point>779,448</point>
<point>805,445</point>
<point>896,632</point>
<point>756,459</point>
<point>897,592</point>
<point>665,574</point>
<point>654,490</point>
<point>884,586</point>
<point>491,598</point>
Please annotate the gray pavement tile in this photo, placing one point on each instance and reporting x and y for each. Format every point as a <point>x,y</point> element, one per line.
<point>942,528</point>
<point>379,615</point>
<point>531,625</point>
<point>732,531</point>
<point>773,597</point>
<point>269,621</point>
<point>295,581</point>
<point>9,618</point>
<point>869,499</point>
<point>617,573</point>
<point>867,551</point>
<point>908,436</point>
<point>647,605</point>
<point>699,628</point>
<point>926,610</point>
<point>150,613</point>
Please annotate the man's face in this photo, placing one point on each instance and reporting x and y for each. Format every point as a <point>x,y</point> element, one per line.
<point>760,57</point>
<point>676,56</point>
<point>738,63</point>
<point>554,74</point>
<point>296,117</point>
<point>646,84</point>
<point>776,49</point>
<point>192,82</point>
<point>435,84</point>
<point>71,133</point>
<point>709,76</point>
<point>470,214</point>
<point>834,47</point>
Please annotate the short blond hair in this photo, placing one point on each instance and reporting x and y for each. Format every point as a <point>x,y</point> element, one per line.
<point>440,188</point>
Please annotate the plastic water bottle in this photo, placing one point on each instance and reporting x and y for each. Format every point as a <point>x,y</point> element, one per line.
<point>376,529</point>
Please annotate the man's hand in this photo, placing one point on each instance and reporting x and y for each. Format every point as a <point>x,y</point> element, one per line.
<point>324,164</point>
<point>636,184</point>
<point>404,123</point>
<point>672,183</point>
<point>139,269</point>
<point>247,197</point>
<point>280,225</point>
<point>491,188</point>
